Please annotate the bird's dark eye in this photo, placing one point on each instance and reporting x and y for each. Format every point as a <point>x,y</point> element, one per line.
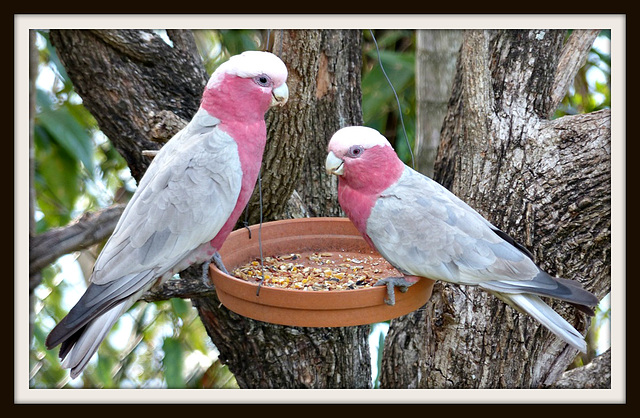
<point>355,151</point>
<point>262,80</point>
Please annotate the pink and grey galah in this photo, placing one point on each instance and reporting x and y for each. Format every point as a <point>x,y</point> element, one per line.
<point>424,230</point>
<point>185,205</point>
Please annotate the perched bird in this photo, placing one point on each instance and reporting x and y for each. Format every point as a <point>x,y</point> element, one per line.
<point>186,204</point>
<point>424,230</point>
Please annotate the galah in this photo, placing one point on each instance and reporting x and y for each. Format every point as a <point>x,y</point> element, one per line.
<point>424,230</point>
<point>185,205</point>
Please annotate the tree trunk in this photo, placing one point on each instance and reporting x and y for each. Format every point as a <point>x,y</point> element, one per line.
<point>436,55</point>
<point>324,68</point>
<point>324,79</point>
<point>136,86</point>
<point>545,182</point>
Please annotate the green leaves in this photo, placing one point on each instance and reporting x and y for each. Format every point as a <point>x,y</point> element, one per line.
<point>377,95</point>
<point>65,125</point>
<point>216,46</point>
<point>591,89</point>
<point>218,376</point>
<point>63,142</point>
<point>61,145</point>
<point>172,363</point>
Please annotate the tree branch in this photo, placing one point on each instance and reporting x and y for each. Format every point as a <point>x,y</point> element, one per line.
<point>89,229</point>
<point>577,217</point>
<point>164,125</point>
<point>141,45</point>
<point>573,56</point>
<point>122,91</point>
<point>595,375</point>
<point>185,288</point>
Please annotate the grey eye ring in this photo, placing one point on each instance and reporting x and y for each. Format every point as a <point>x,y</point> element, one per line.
<point>262,80</point>
<point>355,151</point>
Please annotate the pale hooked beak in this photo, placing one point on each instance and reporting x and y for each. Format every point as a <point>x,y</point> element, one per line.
<point>280,95</point>
<point>334,165</point>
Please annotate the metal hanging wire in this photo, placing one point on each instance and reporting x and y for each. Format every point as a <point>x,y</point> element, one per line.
<point>406,137</point>
<point>245,223</point>
<point>266,48</point>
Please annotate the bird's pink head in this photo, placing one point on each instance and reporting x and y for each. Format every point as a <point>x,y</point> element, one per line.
<point>363,159</point>
<point>238,94</point>
<point>245,86</point>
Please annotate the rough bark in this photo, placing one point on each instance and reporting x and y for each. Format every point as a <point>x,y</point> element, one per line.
<point>267,356</point>
<point>324,80</point>
<point>126,77</point>
<point>595,375</point>
<point>544,182</point>
<point>129,79</point>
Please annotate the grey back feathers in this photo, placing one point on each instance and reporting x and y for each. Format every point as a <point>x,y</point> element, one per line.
<point>424,230</point>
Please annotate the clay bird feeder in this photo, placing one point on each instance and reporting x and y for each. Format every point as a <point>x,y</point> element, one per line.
<point>307,308</point>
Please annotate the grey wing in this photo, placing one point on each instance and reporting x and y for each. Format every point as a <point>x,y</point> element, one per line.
<point>425,230</point>
<point>183,201</point>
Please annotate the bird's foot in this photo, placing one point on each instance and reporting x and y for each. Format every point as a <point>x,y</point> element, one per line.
<point>402,283</point>
<point>217,260</point>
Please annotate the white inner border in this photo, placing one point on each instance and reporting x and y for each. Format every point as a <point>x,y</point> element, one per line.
<point>617,24</point>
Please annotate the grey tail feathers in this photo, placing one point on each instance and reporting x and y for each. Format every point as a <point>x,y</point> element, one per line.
<point>69,329</point>
<point>567,290</point>
<point>76,351</point>
<point>545,285</point>
<point>88,322</point>
<point>534,306</point>
<point>79,339</point>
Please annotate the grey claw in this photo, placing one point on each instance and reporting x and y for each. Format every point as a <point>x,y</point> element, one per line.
<point>217,260</point>
<point>391,283</point>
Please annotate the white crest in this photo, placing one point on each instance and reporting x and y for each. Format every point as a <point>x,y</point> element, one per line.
<point>251,64</point>
<point>357,135</point>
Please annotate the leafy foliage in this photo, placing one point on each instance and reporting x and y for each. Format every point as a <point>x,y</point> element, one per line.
<point>216,46</point>
<point>76,169</point>
<point>591,90</point>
